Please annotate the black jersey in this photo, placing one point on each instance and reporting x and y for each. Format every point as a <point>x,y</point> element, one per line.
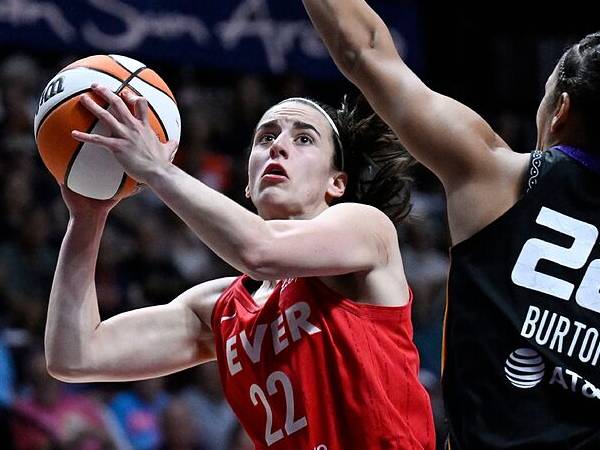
<point>522,329</point>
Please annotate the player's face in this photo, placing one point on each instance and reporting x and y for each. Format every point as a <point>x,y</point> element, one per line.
<point>546,112</point>
<point>290,172</point>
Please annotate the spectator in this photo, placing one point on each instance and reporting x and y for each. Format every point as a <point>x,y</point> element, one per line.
<point>212,418</point>
<point>46,414</point>
<point>177,429</point>
<point>138,412</point>
<point>7,374</point>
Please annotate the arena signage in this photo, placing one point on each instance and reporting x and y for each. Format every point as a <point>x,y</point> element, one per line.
<point>257,35</point>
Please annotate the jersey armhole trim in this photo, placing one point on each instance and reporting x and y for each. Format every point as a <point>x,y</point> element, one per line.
<point>367,310</point>
<point>534,175</point>
<point>217,309</point>
<point>534,170</point>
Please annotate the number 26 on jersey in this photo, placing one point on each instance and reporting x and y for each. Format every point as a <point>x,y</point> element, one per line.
<point>584,236</point>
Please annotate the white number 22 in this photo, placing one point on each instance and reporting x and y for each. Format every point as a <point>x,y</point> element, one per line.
<point>574,257</point>
<point>291,425</point>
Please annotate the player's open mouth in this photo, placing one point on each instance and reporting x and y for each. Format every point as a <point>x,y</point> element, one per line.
<point>275,171</point>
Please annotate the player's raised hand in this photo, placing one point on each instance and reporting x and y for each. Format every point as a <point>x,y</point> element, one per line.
<point>131,140</point>
<point>85,207</point>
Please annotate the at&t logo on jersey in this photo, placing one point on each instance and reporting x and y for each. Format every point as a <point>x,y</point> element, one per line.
<point>524,368</point>
<point>571,381</point>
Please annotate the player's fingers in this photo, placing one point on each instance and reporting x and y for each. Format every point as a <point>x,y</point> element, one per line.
<point>105,141</point>
<point>140,106</point>
<point>171,148</point>
<point>105,116</point>
<point>116,103</point>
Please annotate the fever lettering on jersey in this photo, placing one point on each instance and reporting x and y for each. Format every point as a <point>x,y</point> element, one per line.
<point>287,329</point>
<point>301,369</point>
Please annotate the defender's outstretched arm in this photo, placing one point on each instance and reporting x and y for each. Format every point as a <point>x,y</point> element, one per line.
<point>445,135</point>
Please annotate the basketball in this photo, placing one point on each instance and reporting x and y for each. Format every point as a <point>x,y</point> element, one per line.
<point>88,169</point>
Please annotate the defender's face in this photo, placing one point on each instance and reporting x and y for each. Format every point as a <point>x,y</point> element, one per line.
<point>545,111</point>
<point>290,170</point>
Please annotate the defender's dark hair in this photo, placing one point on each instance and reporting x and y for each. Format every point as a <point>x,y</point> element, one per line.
<point>376,163</point>
<point>579,76</point>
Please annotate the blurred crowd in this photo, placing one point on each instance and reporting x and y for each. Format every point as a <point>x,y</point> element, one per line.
<point>148,257</point>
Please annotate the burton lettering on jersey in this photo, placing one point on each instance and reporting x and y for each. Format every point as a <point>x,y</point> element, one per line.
<point>283,331</point>
<point>562,335</point>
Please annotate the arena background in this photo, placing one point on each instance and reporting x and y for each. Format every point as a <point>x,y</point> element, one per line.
<point>226,61</point>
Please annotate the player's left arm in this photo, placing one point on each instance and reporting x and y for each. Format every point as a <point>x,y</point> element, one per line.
<point>345,238</point>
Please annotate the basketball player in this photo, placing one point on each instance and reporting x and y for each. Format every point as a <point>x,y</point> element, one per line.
<point>522,345</point>
<point>314,342</point>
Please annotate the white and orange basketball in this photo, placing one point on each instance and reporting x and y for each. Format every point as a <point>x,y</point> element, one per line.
<point>89,169</point>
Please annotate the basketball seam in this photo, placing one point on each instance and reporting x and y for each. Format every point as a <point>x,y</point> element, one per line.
<point>125,83</point>
<point>171,97</point>
<point>66,69</point>
<point>43,119</point>
<point>128,70</point>
<point>160,122</point>
<point>136,75</point>
<point>66,99</point>
<point>94,122</point>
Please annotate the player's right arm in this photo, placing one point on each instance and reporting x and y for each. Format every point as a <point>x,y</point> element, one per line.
<point>138,344</point>
<point>470,159</point>
<point>442,133</point>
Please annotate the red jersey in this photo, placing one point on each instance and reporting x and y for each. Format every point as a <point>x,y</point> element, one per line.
<point>311,370</point>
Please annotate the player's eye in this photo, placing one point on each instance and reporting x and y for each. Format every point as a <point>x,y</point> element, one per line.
<point>305,139</point>
<point>265,138</point>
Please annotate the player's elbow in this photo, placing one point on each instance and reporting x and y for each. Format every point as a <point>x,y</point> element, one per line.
<point>66,373</point>
<point>253,264</point>
<point>351,47</point>
<point>357,45</point>
<point>257,262</point>
<point>67,370</point>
